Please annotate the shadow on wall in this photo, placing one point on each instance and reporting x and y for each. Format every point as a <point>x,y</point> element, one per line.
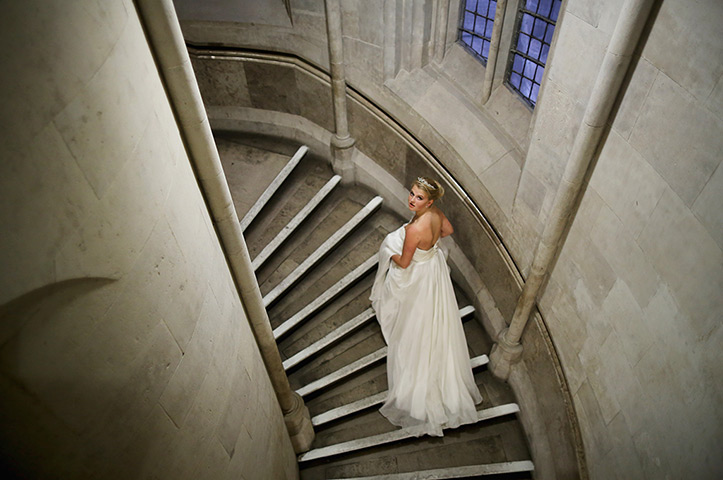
<point>59,407</point>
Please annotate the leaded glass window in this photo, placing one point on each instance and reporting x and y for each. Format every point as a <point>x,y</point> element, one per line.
<point>475,31</point>
<point>534,27</point>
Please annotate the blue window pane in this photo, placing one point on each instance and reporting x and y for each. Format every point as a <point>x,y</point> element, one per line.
<point>555,10</point>
<point>477,44</point>
<point>467,38</point>
<point>534,92</point>
<point>479,26</point>
<point>545,6</point>
<point>518,63</point>
<point>488,29</point>
<point>526,87</point>
<point>549,33</point>
<point>543,54</point>
<point>523,41</point>
<point>532,46</point>
<point>482,7</point>
<point>526,23</point>
<point>535,47</point>
<point>468,21</point>
<point>538,30</point>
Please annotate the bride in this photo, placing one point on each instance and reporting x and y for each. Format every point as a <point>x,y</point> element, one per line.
<point>428,368</point>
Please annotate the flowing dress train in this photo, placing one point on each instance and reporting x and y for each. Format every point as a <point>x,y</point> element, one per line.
<point>431,386</point>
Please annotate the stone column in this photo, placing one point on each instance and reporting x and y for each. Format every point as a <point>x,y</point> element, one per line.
<point>630,24</point>
<point>417,47</point>
<point>166,41</point>
<point>342,141</point>
<point>494,50</point>
<point>440,42</point>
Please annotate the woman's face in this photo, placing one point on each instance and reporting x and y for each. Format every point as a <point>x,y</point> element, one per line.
<point>418,199</point>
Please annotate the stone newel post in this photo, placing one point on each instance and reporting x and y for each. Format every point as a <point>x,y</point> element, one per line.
<point>342,141</point>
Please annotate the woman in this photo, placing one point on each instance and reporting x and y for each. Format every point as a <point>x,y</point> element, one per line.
<point>428,368</point>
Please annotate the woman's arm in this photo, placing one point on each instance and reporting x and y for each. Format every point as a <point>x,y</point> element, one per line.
<point>411,242</point>
<point>447,228</point>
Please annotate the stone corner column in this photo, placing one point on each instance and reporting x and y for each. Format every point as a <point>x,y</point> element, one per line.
<point>504,355</point>
<point>298,424</point>
<point>631,22</point>
<point>342,149</point>
<point>166,41</point>
<point>342,141</point>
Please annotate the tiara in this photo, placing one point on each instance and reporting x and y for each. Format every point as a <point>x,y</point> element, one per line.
<point>426,183</point>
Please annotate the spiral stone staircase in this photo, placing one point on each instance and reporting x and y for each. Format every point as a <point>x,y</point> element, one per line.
<point>313,242</point>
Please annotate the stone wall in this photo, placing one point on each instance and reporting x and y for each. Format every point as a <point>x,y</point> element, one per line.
<point>633,305</point>
<point>125,351</point>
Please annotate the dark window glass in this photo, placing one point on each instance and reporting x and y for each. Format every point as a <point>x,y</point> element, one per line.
<point>476,26</point>
<point>533,31</point>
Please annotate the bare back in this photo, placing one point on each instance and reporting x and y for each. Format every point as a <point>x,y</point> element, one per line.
<point>430,227</point>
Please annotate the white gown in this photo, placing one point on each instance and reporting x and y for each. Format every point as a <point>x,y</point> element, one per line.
<point>431,386</point>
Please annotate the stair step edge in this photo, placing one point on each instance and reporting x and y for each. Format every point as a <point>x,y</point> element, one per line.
<point>357,365</point>
<point>456,472</point>
<point>323,249</point>
<point>343,372</point>
<point>273,186</point>
<point>331,293</point>
<point>395,435</point>
<point>366,402</point>
<point>332,337</point>
<point>295,222</point>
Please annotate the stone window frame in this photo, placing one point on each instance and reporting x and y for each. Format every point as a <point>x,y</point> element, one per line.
<point>473,35</point>
<point>451,13</point>
<point>525,69</point>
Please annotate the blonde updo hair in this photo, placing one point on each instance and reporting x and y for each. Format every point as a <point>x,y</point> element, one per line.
<point>430,186</point>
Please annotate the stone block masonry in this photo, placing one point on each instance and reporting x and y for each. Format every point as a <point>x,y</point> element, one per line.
<point>125,350</point>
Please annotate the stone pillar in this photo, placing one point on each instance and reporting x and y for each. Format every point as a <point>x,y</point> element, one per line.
<point>417,47</point>
<point>440,42</point>
<point>164,33</point>
<point>494,50</point>
<point>342,142</point>
<point>630,24</point>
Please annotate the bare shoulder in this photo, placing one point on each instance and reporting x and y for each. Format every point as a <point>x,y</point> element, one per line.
<point>446,226</point>
<point>440,216</point>
<point>414,228</point>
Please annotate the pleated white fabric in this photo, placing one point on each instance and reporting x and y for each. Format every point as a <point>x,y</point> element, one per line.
<point>431,386</point>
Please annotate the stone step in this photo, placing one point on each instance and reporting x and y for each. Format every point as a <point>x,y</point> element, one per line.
<point>335,335</point>
<point>323,250</point>
<point>357,365</point>
<point>326,297</point>
<point>395,436</point>
<point>343,372</point>
<point>295,222</point>
<point>364,403</point>
<point>467,471</point>
<point>271,189</point>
